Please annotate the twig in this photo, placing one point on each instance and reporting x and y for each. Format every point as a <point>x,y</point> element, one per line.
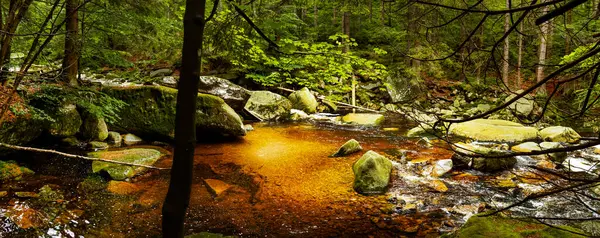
<point>16,147</point>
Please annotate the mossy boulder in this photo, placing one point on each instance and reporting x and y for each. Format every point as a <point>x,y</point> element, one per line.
<point>122,172</point>
<point>364,119</point>
<point>351,146</point>
<point>372,173</point>
<point>560,134</point>
<point>304,100</point>
<point>20,131</point>
<point>67,121</point>
<point>494,131</point>
<point>114,138</point>
<point>234,95</point>
<point>94,128</point>
<point>151,113</point>
<point>131,139</point>
<point>498,226</point>
<point>98,145</point>
<point>9,170</point>
<point>523,106</point>
<point>526,147</point>
<point>474,159</point>
<point>265,106</point>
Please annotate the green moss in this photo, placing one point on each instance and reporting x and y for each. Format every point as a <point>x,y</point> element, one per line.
<point>304,100</point>
<point>351,146</point>
<point>11,171</point>
<point>92,183</point>
<point>364,119</point>
<point>67,121</point>
<point>122,172</point>
<point>497,226</point>
<point>372,173</point>
<point>20,131</point>
<point>266,105</point>
<point>494,130</point>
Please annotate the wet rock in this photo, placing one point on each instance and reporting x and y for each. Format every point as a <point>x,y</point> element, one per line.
<point>424,142</point>
<point>304,100</point>
<point>420,131</point>
<point>47,194</point>
<point>92,183</point>
<point>151,113</point>
<point>20,131</point>
<point>494,131</point>
<point>402,88</point>
<point>248,127</point>
<point>3,194</point>
<point>351,146</point>
<point>560,134</point>
<point>526,147</point>
<point>98,145</point>
<point>9,170</point>
<point>234,95</point>
<point>26,194</point>
<point>94,128</point>
<point>265,106</point>
<point>498,226</point>
<point>122,188</point>
<point>523,106</point>
<point>122,172</point>
<point>579,165</point>
<point>297,115</point>
<point>131,139</point>
<point>70,142</point>
<point>216,187</point>
<point>441,167</point>
<point>481,163</point>
<point>372,173</point>
<point>437,185</point>
<point>67,121</point>
<point>331,107</point>
<point>114,138</point>
<point>169,80</point>
<point>558,157</point>
<point>161,72</point>
<point>363,119</point>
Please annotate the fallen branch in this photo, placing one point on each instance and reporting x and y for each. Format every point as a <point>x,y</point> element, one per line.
<point>16,147</point>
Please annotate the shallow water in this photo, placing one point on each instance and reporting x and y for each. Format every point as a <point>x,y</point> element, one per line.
<point>283,184</point>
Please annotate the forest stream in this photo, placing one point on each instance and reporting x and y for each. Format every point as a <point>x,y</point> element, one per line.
<point>278,181</point>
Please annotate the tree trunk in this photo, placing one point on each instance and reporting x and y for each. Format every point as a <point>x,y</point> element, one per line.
<point>180,185</point>
<point>542,53</point>
<point>382,12</point>
<point>16,12</point>
<point>506,47</point>
<point>316,16</point>
<point>346,30</point>
<point>334,15</point>
<point>72,49</point>
<point>568,32</point>
<point>370,10</point>
<point>520,56</point>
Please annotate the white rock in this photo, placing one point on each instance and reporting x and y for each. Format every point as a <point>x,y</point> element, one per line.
<point>441,167</point>
<point>579,165</point>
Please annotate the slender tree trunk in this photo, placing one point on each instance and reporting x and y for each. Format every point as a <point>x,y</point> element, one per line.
<point>542,52</point>
<point>346,30</point>
<point>16,12</point>
<point>370,10</point>
<point>180,185</point>
<point>316,16</point>
<point>520,56</point>
<point>72,51</point>
<point>506,55</point>
<point>334,16</point>
<point>480,47</point>
<point>568,32</point>
<point>382,12</point>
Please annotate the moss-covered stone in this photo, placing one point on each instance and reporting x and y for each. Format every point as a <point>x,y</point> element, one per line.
<point>70,141</point>
<point>67,121</point>
<point>92,183</point>
<point>523,106</point>
<point>351,146</point>
<point>122,172</point>
<point>98,145</point>
<point>20,131</point>
<point>9,170</point>
<point>364,119</point>
<point>560,134</point>
<point>265,105</point>
<point>556,157</point>
<point>494,130</point>
<point>151,113</point>
<point>481,163</point>
<point>114,138</point>
<point>526,147</point>
<point>94,128</point>
<point>304,100</point>
<point>498,226</point>
<point>372,173</point>
<point>131,139</point>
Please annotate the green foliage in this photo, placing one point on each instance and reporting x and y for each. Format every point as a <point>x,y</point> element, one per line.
<point>49,98</point>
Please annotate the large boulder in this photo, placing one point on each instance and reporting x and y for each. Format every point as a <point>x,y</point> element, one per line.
<point>121,172</point>
<point>372,173</point>
<point>265,105</point>
<point>560,134</point>
<point>20,131</point>
<point>151,113</point>
<point>234,95</point>
<point>304,100</point>
<point>523,106</point>
<point>364,119</point>
<point>94,128</point>
<point>402,88</point>
<point>494,131</point>
<point>67,121</point>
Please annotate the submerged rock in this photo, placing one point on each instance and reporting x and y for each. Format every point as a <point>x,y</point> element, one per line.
<point>131,139</point>
<point>304,100</point>
<point>266,106</point>
<point>122,188</point>
<point>364,119</point>
<point>216,187</point>
<point>9,170</point>
<point>499,226</point>
<point>558,156</point>
<point>98,145</point>
<point>67,121</point>
<point>151,113</point>
<point>94,128</point>
<point>372,173</point>
<point>351,146</point>
<point>526,147</point>
<point>494,130</point>
<point>560,134</point>
<point>122,172</point>
<point>234,95</point>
